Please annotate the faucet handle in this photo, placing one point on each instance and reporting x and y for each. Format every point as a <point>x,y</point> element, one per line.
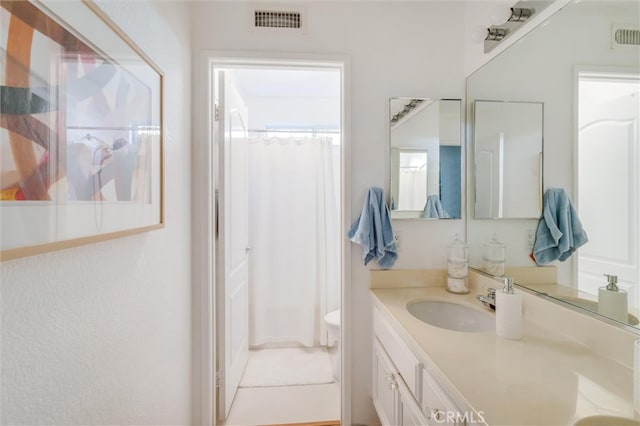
<point>491,292</point>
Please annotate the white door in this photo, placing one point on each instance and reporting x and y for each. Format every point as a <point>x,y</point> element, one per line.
<point>232,289</point>
<point>608,187</point>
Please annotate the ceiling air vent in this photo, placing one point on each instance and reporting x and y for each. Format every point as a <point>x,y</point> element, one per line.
<point>277,19</point>
<point>625,37</point>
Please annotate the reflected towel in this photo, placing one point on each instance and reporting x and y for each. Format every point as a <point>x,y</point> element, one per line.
<point>559,231</point>
<point>434,208</point>
<point>372,230</point>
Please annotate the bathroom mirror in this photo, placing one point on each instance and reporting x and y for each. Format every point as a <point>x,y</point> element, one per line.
<point>425,153</point>
<point>507,147</point>
<point>582,65</point>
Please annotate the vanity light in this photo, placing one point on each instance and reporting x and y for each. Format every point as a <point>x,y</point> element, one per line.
<point>519,14</point>
<point>495,34</point>
<point>406,110</point>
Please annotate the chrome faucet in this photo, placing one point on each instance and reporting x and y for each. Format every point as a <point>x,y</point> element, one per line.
<point>489,300</point>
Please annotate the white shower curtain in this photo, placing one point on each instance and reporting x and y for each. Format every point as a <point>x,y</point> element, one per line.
<point>294,234</point>
<point>412,192</point>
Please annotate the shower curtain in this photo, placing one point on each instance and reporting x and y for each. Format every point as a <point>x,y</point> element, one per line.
<point>412,192</point>
<point>294,231</point>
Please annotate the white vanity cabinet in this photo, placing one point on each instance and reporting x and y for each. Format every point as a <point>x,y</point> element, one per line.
<point>405,392</point>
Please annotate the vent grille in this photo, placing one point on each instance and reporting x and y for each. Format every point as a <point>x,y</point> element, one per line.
<point>277,19</point>
<point>627,37</point>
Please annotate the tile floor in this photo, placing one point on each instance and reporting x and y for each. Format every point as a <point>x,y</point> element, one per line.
<point>285,404</point>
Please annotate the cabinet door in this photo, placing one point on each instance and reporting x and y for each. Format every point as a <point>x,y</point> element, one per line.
<point>437,406</point>
<point>385,386</point>
<point>409,410</point>
<point>405,362</point>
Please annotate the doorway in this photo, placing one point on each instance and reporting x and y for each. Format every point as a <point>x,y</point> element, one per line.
<point>279,271</point>
<point>607,179</point>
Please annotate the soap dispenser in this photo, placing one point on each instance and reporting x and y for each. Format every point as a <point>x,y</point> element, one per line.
<point>509,311</point>
<point>612,302</point>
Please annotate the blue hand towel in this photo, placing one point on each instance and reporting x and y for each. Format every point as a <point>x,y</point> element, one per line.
<point>372,230</point>
<point>434,208</point>
<point>559,231</point>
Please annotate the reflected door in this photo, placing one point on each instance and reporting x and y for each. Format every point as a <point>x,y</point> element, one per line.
<point>608,188</point>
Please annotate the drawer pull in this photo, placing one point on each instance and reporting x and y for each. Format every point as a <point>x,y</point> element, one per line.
<point>391,381</point>
<point>434,413</point>
<point>437,415</point>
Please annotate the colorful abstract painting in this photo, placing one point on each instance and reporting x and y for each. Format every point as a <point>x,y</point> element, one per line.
<point>80,129</point>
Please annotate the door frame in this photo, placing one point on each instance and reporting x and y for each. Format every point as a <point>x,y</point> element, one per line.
<point>204,170</point>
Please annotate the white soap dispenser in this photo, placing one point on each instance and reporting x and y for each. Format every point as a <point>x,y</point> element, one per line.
<point>509,311</point>
<point>612,302</point>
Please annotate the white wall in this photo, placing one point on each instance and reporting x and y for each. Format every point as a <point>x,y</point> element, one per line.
<point>100,334</point>
<point>395,49</point>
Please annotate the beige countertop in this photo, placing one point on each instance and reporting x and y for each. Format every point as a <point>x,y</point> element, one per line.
<point>543,379</point>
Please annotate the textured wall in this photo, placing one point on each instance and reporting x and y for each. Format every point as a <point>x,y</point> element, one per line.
<point>101,333</point>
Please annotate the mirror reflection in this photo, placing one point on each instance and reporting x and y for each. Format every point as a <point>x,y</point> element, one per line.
<point>412,178</point>
<point>507,140</point>
<point>586,72</point>
<point>425,153</point>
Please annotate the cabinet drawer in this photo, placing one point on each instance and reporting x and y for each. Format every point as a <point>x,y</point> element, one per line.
<point>408,366</point>
<point>436,405</point>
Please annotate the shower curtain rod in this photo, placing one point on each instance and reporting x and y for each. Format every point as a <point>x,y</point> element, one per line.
<point>337,132</point>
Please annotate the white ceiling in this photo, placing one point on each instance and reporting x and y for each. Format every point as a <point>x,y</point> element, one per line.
<point>288,83</point>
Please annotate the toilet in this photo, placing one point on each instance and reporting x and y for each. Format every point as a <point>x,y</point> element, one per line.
<point>332,321</point>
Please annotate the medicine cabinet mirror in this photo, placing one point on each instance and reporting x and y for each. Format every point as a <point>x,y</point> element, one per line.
<point>425,152</point>
<point>581,72</point>
<point>507,142</point>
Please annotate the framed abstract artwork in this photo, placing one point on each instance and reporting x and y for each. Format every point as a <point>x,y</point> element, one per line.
<point>81,136</point>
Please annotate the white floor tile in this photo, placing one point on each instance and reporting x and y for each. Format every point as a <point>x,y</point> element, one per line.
<point>285,404</point>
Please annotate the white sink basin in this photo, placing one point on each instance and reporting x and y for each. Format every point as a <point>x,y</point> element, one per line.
<point>452,316</point>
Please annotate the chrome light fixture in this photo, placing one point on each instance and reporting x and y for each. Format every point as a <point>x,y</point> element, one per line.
<point>496,34</point>
<point>521,12</point>
<point>406,110</point>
